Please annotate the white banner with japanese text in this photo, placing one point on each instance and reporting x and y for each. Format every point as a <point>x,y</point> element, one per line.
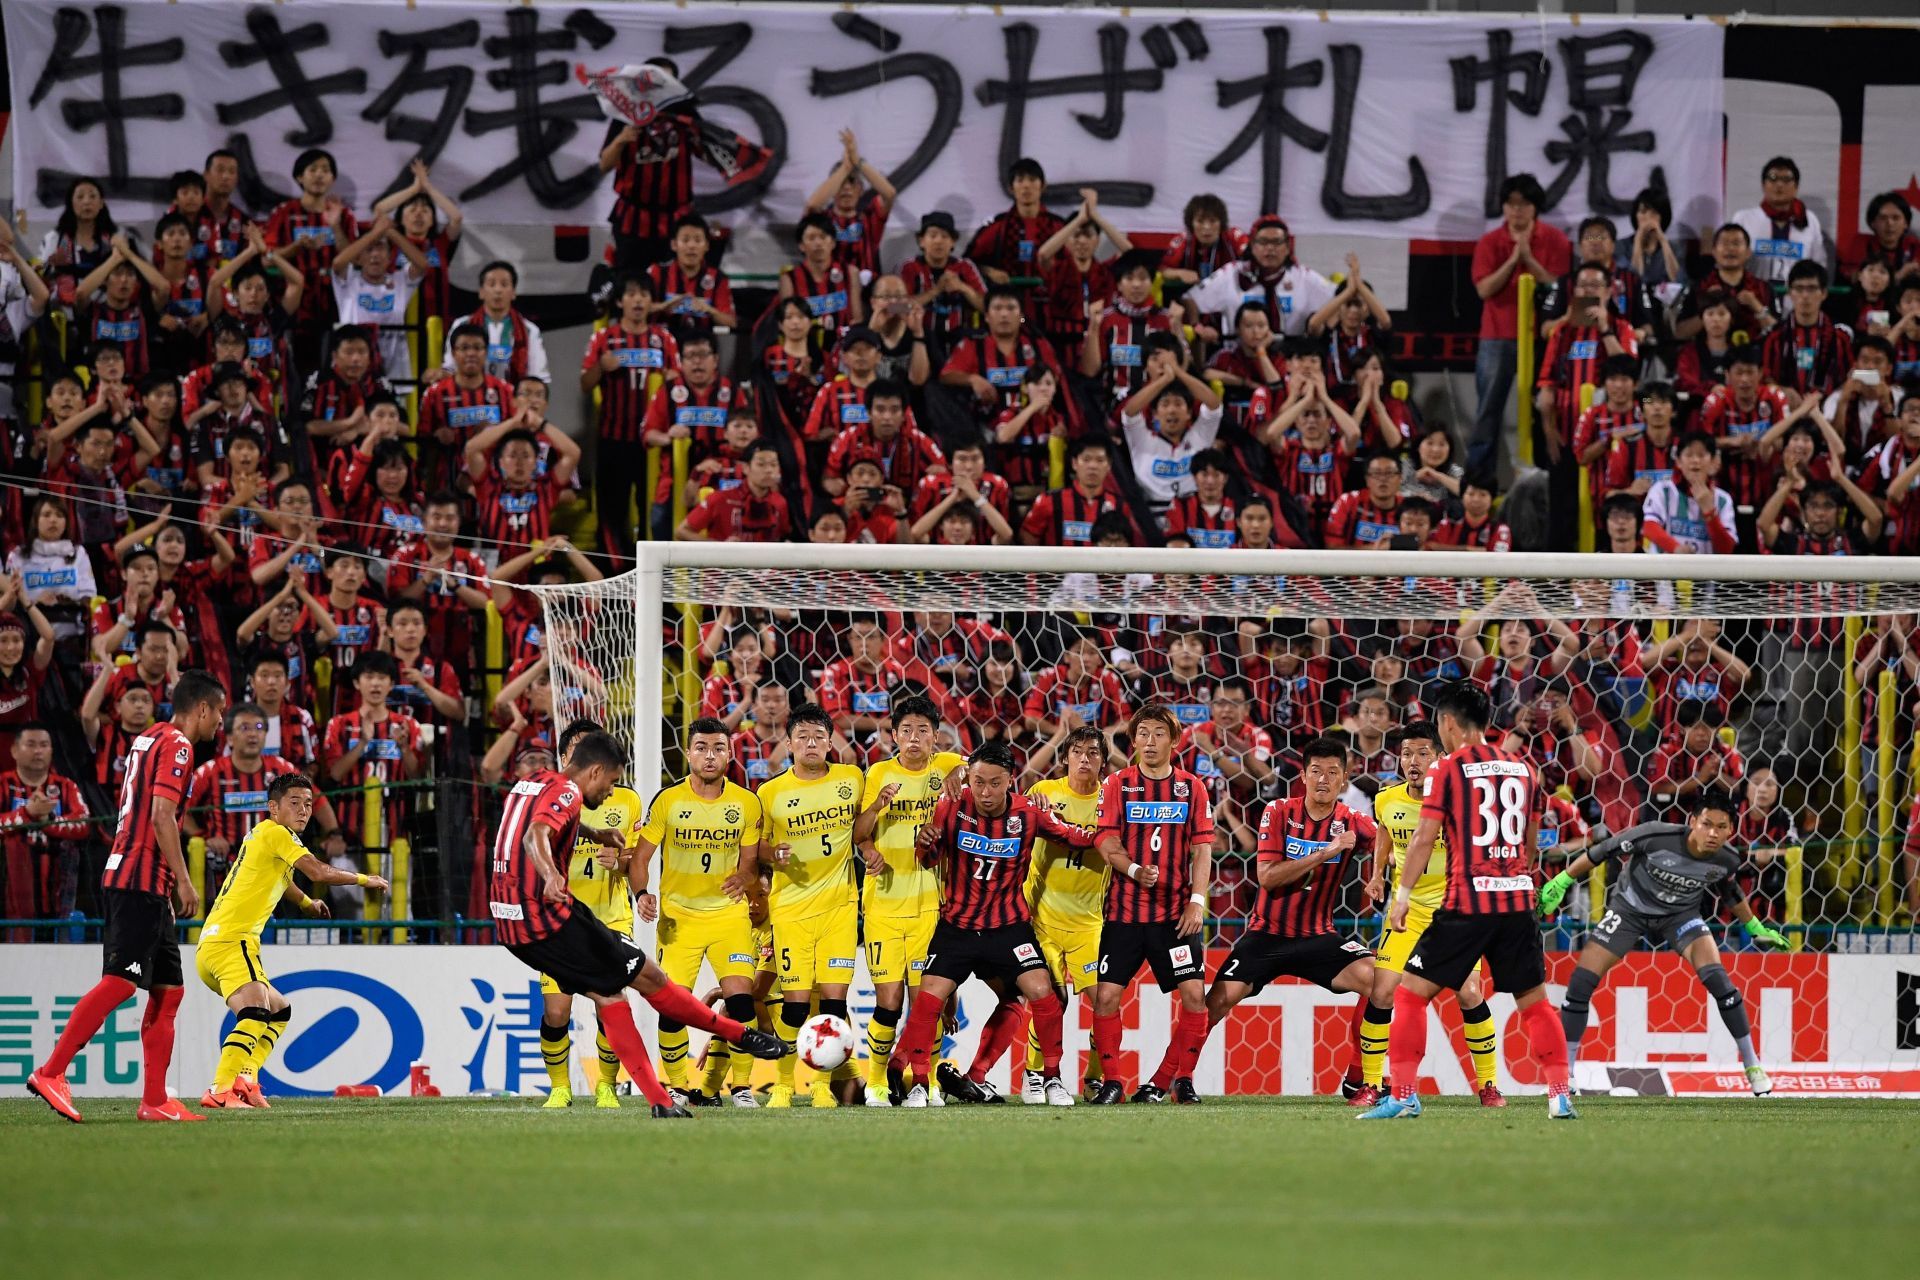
<point>1392,126</point>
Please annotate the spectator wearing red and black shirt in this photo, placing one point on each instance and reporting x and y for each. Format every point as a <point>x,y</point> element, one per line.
<point>753,512</point>
<point>1693,759</point>
<point>1246,370</point>
<point>1807,354</point>
<point>696,408</point>
<point>130,291</point>
<point>1081,687</point>
<point>42,814</point>
<point>858,690</point>
<point>761,749</point>
<point>652,167</point>
<point>830,290</point>
<point>1476,528</point>
<point>450,581</point>
<point>1009,244</point>
<point>994,365</point>
<point>948,289</point>
<point>1613,415</point>
<point>1808,613</point>
<point>1065,517</point>
<point>888,438</point>
<point>1737,416</point>
<point>627,361</point>
<point>1312,465</point>
<point>1702,363</point>
<point>336,406</point>
<point>1117,328</point>
<point>842,402</point>
<point>688,289</point>
<point>1207,517</point>
<point>1368,517</point>
<point>1577,350</point>
<point>855,198</point>
<point>312,227</point>
<point>513,506</point>
<point>292,734</point>
<point>1641,455</point>
<point>969,462</point>
<point>1693,666</point>
<point>467,401</point>
<point>1750,298</point>
<point>373,741</point>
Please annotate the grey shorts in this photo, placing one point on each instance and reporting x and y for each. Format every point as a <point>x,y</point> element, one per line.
<point>1620,929</point>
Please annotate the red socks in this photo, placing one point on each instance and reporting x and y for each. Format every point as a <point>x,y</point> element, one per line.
<point>1007,1022</point>
<point>88,1016</point>
<point>677,1004</point>
<point>915,1050</point>
<point>1548,1042</point>
<point>1354,1071</point>
<point>156,1043</point>
<point>1193,1023</point>
<point>1407,1041</point>
<point>1048,1018</point>
<point>616,1023</point>
<point>1106,1043</point>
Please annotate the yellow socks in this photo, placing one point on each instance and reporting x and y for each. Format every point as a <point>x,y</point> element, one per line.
<point>556,1051</point>
<point>1482,1043</point>
<point>1375,1026</point>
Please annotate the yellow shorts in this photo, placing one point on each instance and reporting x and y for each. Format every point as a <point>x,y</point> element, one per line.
<point>819,950</point>
<point>724,940</point>
<point>1072,955</point>
<point>1395,948</point>
<point>228,966</point>
<point>897,947</point>
<point>764,959</point>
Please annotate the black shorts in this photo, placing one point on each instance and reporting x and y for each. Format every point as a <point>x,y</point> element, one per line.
<point>138,943</point>
<point>1259,958</point>
<point>1453,944</point>
<point>1007,952</point>
<point>1620,929</point>
<point>583,956</point>
<point>1173,959</point>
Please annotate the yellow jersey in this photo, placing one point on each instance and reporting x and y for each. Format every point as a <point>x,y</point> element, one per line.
<point>905,890</point>
<point>1398,812</point>
<point>605,892</point>
<point>815,821</point>
<point>256,881</point>
<point>1066,888</point>
<point>699,842</point>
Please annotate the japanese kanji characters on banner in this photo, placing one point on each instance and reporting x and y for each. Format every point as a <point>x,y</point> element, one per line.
<point>1400,126</point>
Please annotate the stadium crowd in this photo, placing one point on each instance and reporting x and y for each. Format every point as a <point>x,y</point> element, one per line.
<point>227,445</point>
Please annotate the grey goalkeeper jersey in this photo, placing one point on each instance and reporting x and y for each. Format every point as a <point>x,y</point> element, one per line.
<point>1661,878</point>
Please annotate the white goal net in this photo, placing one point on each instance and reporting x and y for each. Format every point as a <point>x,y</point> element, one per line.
<point>1632,681</point>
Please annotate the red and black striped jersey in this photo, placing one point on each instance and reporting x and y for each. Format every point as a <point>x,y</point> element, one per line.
<point>1603,422</point>
<point>1487,804</point>
<point>753,758</point>
<point>267,344</point>
<point>67,820</point>
<point>327,396</point>
<point>840,404</point>
<point>1812,359</point>
<point>418,560</point>
<point>159,764</point>
<point>1573,358</point>
<point>1065,517</point>
<point>904,460</point>
<point>1315,476</point>
<point>828,295</point>
<point>1067,290</point>
<point>1357,521</point>
<point>357,631</point>
<point>1344,350</point>
<point>857,238</point>
<point>1489,535</point>
<point>546,799</point>
<point>388,743</point>
<point>624,392</point>
<point>1742,475</point>
<point>653,181</point>
<point>310,243</point>
<point>1098,700</point>
<point>509,517</point>
<point>1289,832</point>
<point>1122,343</point>
<point>1189,518</point>
<point>1158,822</point>
<point>131,326</point>
<point>1639,458</point>
<point>983,356</point>
<point>947,313</point>
<point>1011,243</point>
<point>671,281</point>
<point>218,237</point>
<point>436,291</point>
<point>982,861</point>
<point>462,410</point>
<point>227,801</point>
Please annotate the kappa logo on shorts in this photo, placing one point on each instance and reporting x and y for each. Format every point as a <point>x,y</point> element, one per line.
<point>840,962</point>
<point>633,962</point>
<point>1414,963</point>
<point>1025,951</point>
<point>1181,955</point>
<point>134,968</point>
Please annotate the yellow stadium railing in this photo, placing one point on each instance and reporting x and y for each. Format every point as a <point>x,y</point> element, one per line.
<point>1597,890</point>
<point>1056,462</point>
<point>1523,372</point>
<point>1586,484</point>
<point>682,469</point>
<point>1796,920</point>
<point>496,652</point>
<point>1854,813</point>
<point>1887,706</point>
<point>689,664</point>
<point>197,872</point>
<point>323,682</point>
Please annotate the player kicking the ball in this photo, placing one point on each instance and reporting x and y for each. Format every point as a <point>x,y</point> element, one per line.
<point>1156,832</point>
<point>1396,812</point>
<point>539,920</point>
<point>1305,841</point>
<point>228,956</point>
<point>1670,872</point>
<point>1487,806</point>
<point>980,845</point>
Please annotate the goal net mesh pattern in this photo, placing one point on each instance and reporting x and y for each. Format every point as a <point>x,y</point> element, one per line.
<point>1797,696</point>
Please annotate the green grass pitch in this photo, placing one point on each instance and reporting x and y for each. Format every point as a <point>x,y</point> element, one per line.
<point>365,1188</point>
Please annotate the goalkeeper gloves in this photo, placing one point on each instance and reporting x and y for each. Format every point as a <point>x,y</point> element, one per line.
<point>1770,938</point>
<point>1552,894</point>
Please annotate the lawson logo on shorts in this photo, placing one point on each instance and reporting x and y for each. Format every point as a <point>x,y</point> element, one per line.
<point>1157,812</point>
<point>1501,884</point>
<point>988,846</point>
<point>840,962</point>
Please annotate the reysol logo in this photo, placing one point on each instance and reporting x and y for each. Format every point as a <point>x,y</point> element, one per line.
<point>347,1028</point>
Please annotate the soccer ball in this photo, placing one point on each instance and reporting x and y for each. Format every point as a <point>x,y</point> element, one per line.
<point>825,1042</point>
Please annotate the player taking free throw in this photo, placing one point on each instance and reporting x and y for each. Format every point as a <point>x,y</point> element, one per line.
<point>538,919</point>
